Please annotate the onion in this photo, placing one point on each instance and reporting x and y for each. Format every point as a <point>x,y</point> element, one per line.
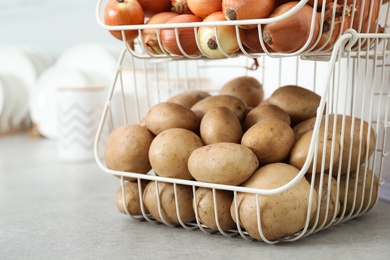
<point>204,8</point>
<point>361,15</point>
<point>124,12</point>
<point>180,7</point>
<point>319,3</point>
<point>247,9</point>
<point>292,33</point>
<point>152,7</point>
<point>186,36</point>
<point>251,41</point>
<point>149,36</point>
<point>328,37</point>
<point>227,40</point>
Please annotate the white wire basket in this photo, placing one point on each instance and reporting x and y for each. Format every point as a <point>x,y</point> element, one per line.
<point>352,78</point>
<point>354,84</point>
<point>328,22</point>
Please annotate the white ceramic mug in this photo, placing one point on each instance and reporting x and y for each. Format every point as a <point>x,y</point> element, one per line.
<point>78,112</point>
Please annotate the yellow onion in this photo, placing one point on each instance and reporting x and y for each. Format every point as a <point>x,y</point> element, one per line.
<point>227,40</point>
<point>186,36</point>
<point>149,36</point>
<point>292,33</point>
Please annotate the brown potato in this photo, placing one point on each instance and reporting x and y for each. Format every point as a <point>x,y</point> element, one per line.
<point>300,151</point>
<point>304,127</point>
<point>265,111</point>
<point>223,163</point>
<point>270,139</point>
<point>188,98</point>
<point>282,214</point>
<point>300,103</point>
<point>166,195</point>
<point>352,139</point>
<point>246,88</point>
<point>132,192</point>
<point>166,115</point>
<point>170,150</point>
<point>205,208</point>
<point>127,149</point>
<point>220,124</point>
<point>329,203</point>
<point>365,182</point>
<point>238,106</point>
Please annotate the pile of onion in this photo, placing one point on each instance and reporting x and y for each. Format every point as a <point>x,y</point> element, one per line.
<point>152,7</point>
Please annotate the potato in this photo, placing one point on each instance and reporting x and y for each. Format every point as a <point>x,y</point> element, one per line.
<point>352,139</point>
<point>304,127</point>
<point>329,203</point>
<point>188,98</point>
<point>300,151</point>
<point>170,150</point>
<point>282,214</point>
<point>132,192</point>
<point>127,149</point>
<point>238,106</point>
<point>220,124</point>
<point>166,115</point>
<point>367,183</point>
<point>205,208</point>
<point>166,196</point>
<point>300,103</point>
<point>265,111</point>
<point>246,88</point>
<point>223,163</point>
<point>270,139</point>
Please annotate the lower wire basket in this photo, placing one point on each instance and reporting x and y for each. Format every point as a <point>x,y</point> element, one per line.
<point>344,145</point>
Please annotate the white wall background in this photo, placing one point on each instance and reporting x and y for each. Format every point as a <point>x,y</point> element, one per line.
<point>50,25</point>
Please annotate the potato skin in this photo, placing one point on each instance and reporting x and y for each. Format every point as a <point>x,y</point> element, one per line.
<point>205,208</point>
<point>170,150</point>
<point>223,163</point>
<point>166,195</point>
<point>300,151</point>
<point>238,106</point>
<point>127,149</point>
<point>362,185</point>
<point>246,88</point>
<point>264,111</point>
<point>166,115</point>
<point>300,103</point>
<point>270,139</point>
<point>282,214</point>
<point>334,203</point>
<point>220,124</point>
<point>189,98</point>
<point>132,198</point>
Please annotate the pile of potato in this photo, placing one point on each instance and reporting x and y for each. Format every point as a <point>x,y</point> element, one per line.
<point>236,137</point>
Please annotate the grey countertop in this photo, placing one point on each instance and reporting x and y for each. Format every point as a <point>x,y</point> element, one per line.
<point>58,210</point>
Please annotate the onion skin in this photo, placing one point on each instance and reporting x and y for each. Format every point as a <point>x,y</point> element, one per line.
<point>180,7</point>
<point>291,34</point>
<point>149,36</point>
<point>186,36</point>
<point>226,38</point>
<point>328,38</point>
<point>152,7</point>
<point>251,41</point>
<point>247,9</point>
<point>124,12</point>
<point>367,26</point>
<point>204,8</point>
